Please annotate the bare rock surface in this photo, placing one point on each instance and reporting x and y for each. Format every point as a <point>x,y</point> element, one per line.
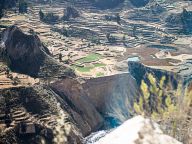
<point>137,130</point>
<point>83,111</point>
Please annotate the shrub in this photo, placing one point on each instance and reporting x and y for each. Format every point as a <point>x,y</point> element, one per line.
<point>41,15</point>
<point>115,17</point>
<point>169,107</point>
<point>110,38</point>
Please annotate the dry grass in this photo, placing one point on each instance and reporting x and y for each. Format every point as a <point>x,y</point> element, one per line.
<point>171,108</point>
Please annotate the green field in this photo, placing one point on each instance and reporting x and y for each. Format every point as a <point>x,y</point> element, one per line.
<point>89,58</point>
<point>88,68</point>
<point>100,74</point>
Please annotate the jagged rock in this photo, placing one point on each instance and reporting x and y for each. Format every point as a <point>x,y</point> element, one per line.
<point>137,130</point>
<point>26,54</point>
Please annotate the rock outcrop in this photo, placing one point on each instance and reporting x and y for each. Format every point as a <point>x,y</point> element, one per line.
<point>139,71</point>
<point>137,130</point>
<point>26,54</point>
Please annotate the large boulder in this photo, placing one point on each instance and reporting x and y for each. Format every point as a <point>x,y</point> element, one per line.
<point>137,130</point>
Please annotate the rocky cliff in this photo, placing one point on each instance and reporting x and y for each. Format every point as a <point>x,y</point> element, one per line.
<point>113,96</point>
<point>82,110</point>
<point>109,98</point>
<point>140,71</point>
<point>24,53</point>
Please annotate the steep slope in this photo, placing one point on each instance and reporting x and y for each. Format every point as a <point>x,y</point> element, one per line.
<point>26,54</point>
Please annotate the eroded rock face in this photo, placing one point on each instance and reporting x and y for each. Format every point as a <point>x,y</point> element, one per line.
<point>81,108</point>
<point>98,101</point>
<point>24,53</point>
<point>113,96</point>
<point>137,130</point>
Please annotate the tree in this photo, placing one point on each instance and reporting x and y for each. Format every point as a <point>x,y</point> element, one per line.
<point>60,57</point>
<point>134,30</point>
<point>110,38</point>
<point>23,6</point>
<point>41,15</point>
<point>118,18</point>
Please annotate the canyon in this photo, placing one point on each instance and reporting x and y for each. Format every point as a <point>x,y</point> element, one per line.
<point>66,80</point>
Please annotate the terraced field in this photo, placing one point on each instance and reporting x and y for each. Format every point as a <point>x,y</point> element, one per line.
<point>142,32</point>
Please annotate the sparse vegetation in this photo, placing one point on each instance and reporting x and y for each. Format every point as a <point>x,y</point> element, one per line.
<point>100,74</point>
<point>165,105</point>
<point>115,18</point>
<point>110,38</point>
